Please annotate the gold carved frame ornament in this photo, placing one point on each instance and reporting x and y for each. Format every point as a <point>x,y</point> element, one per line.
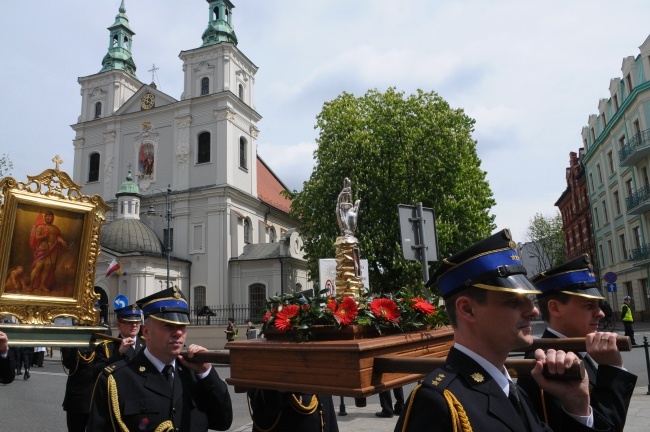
<point>50,245</point>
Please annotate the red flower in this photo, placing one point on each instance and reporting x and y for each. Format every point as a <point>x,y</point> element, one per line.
<point>284,317</point>
<point>385,308</point>
<point>267,317</point>
<point>331,304</point>
<point>346,311</point>
<point>421,305</point>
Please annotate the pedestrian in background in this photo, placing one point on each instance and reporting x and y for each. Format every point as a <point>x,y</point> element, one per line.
<point>231,330</point>
<point>627,318</point>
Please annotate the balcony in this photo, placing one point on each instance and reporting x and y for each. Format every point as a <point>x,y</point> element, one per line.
<point>639,254</point>
<point>639,202</point>
<point>635,149</point>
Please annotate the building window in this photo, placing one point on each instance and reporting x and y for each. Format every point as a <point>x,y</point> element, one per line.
<point>636,231</point>
<point>616,102</point>
<point>600,175</point>
<point>272,235</point>
<point>605,214</point>
<point>596,217</point>
<point>611,251</point>
<point>203,148</point>
<point>257,301</point>
<point>205,86</point>
<point>602,255</point>
<point>199,297</point>
<point>197,238</point>
<point>621,142</point>
<point>628,188</point>
<point>241,92</point>
<point>247,231</point>
<point>591,181</point>
<point>593,135</point>
<point>628,81</point>
<point>98,110</point>
<point>93,167</point>
<point>604,120</point>
<point>623,246</point>
<point>610,161</point>
<point>617,203</point>
<point>646,181</point>
<point>242,153</point>
<point>637,129</point>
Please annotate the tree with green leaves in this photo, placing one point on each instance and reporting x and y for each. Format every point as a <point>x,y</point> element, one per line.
<point>546,240</point>
<point>5,165</point>
<point>396,149</point>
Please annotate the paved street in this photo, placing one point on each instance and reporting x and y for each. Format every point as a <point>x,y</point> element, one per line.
<point>35,404</point>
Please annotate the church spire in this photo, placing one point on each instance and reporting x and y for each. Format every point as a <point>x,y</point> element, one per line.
<point>220,23</point>
<point>119,47</point>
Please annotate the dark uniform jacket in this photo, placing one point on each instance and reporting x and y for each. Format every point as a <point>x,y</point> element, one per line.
<point>611,391</point>
<point>275,411</point>
<point>108,352</point>
<point>7,368</point>
<point>79,386</point>
<point>485,404</point>
<point>135,396</point>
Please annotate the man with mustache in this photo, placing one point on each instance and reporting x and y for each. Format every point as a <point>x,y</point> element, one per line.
<point>486,293</point>
<point>570,305</point>
<point>159,389</point>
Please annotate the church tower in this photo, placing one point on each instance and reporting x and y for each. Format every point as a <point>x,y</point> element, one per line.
<point>105,92</point>
<point>219,77</point>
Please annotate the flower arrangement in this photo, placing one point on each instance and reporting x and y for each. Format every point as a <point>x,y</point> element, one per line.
<point>404,311</point>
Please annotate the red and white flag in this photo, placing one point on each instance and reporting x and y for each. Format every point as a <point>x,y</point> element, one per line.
<point>112,268</point>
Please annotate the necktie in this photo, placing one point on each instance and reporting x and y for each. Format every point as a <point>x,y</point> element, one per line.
<point>168,373</point>
<point>513,395</point>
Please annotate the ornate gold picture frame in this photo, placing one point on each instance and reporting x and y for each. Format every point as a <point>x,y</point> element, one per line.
<point>49,248</point>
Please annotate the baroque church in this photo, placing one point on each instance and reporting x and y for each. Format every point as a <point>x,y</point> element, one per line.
<point>193,205</point>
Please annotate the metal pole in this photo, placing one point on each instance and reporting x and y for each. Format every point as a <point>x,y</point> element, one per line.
<point>342,411</point>
<point>423,248</point>
<point>647,360</point>
<point>169,217</point>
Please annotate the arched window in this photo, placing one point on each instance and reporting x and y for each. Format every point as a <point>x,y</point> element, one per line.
<point>241,91</point>
<point>205,86</point>
<point>93,167</point>
<point>256,301</point>
<point>215,11</point>
<point>203,148</point>
<point>199,297</point>
<point>271,235</point>
<point>98,109</point>
<point>242,153</point>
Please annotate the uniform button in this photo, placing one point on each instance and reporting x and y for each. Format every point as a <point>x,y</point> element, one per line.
<point>173,410</point>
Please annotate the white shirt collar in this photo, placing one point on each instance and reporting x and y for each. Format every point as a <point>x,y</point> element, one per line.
<point>502,377</point>
<point>157,363</point>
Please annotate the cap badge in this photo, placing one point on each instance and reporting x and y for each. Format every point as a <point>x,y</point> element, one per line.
<point>176,293</point>
<point>477,377</point>
<point>142,369</point>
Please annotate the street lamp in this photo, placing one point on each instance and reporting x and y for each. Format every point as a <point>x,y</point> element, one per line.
<point>168,216</point>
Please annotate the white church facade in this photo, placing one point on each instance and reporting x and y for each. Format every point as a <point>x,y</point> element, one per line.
<point>187,171</point>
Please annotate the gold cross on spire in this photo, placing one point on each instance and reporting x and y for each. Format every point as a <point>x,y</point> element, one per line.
<point>57,161</point>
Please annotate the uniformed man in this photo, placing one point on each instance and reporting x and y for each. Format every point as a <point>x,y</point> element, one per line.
<point>628,318</point>
<point>129,320</point>
<point>7,363</point>
<point>570,305</point>
<point>78,387</point>
<point>487,297</point>
<point>160,390</point>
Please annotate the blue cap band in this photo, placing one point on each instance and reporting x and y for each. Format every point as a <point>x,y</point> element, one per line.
<point>456,277</point>
<point>566,279</point>
<point>165,303</point>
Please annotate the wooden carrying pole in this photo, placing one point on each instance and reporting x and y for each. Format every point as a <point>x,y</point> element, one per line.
<point>576,344</point>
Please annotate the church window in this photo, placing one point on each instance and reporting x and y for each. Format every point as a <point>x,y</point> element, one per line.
<point>197,238</point>
<point>115,40</point>
<point>199,297</point>
<point>257,301</point>
<point>203,150</point>
<point>247,231</point>
<point>98,110</point>
<point>216,13</point>
<point>242,153</point>
<point>205,86</point>
<point>126,42</point>
<point>93,167</point>
<point>241,91</point>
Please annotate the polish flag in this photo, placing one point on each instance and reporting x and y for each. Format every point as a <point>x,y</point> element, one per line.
<point>112,268</point>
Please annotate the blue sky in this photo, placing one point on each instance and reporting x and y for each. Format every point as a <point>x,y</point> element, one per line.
<point>529,72</point>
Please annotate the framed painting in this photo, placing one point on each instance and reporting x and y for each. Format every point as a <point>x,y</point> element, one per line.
<point>50,245</point>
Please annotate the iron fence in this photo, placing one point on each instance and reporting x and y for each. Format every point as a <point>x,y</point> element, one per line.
<point>217,315</point>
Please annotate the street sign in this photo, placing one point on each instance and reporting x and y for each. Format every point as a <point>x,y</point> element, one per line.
<point>409,231</point>
<point>610,277</point>
<point>612,287</point>
<point>120,301</point>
